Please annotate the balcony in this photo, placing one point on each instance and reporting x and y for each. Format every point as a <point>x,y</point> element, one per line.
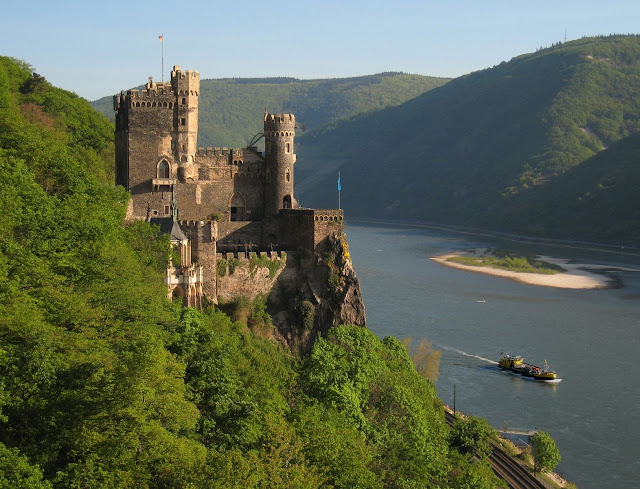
<point>158,183</point>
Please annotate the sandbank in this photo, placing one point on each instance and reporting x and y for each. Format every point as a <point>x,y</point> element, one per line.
<point>577,275</point>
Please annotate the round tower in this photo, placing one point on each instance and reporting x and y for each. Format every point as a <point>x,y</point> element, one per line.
<point>279,131</point>
<point>186,87</point>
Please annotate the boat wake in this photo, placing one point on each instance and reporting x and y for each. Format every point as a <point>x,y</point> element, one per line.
<point>537,381</point>
<point>469,355</point>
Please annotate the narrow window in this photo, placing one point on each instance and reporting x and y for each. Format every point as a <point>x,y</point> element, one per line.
<point>183,121</point>
<point>287,176</point>
<point>166,210</point>
<point>288,148</point>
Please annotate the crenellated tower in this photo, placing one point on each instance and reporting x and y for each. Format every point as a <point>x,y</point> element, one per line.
<point>279,133</point>
<point>186,87</point>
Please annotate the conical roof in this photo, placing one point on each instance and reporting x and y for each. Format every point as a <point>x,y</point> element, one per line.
<point>176,233</point>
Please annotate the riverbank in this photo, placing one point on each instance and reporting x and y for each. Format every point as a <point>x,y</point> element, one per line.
<point>577,275</point>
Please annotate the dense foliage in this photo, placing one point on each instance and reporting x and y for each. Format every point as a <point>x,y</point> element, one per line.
<point>231,110</point>
<point>541,144</point>
<point>104,383</point>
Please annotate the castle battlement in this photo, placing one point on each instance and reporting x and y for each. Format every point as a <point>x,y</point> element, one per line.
<point>279,122</point>
<point>235,152</point>
<point>247,256</point>
<point>178,73</point>
<point>328,215</point>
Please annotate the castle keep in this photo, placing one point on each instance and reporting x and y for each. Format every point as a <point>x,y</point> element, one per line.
<point>217,203</point>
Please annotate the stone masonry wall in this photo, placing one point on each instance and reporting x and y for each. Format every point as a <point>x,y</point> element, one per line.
<point>248,279</point>
<point>239,236</point>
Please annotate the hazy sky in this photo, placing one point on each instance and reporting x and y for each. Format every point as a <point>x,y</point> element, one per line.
<point>97,48</point>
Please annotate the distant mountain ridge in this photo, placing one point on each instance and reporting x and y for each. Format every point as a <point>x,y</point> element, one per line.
<point>486,148</point>
<point>231,109</point>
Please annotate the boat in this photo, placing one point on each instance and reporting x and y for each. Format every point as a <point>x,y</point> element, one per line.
<point>517,364</point>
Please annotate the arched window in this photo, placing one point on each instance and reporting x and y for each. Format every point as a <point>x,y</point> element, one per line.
<point>286,202</point>
<point>184,101</point>
<point>288,148</point>
<point>237,207</point>
<point>164,171</point>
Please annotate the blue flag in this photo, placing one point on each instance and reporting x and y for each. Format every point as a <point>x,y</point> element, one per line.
<point>339,186</point>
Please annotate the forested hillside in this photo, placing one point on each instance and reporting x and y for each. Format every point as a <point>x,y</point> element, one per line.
<point>231,110</point>
<point>502,148</point>
<point>104,383</point>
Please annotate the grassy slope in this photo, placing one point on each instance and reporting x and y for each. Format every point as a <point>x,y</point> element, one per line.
<point>485,144</point>
<point>231,110</point>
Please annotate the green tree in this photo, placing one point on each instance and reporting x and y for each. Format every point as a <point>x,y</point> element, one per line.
<point>472,436</point>
<point>17,473</point>
<point>545,452</point>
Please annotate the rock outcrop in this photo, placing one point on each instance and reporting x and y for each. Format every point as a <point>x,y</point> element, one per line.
<point>315,293</point>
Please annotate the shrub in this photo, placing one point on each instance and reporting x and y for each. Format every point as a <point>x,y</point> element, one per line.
<point>221,267</point>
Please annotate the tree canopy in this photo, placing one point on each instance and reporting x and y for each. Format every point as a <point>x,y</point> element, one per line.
<point>105,383</point>
<point>545,452</point>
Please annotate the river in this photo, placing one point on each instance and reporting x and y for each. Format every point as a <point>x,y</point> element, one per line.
<point>590,337</point>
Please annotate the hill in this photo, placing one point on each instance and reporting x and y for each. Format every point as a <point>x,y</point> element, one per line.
<point>231,109</point>
<point>105,383</point>
<point>487,148</point>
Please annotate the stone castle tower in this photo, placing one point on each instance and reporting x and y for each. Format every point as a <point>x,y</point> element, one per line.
<point>279,131</point>
<point>229,201</point>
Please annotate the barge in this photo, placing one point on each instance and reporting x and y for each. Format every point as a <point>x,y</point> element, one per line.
<point>517,364</point>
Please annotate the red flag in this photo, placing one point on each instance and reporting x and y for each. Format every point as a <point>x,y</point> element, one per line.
<point>160,38</point>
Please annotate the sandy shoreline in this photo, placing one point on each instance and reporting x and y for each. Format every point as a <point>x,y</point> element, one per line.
<point>577,275</point>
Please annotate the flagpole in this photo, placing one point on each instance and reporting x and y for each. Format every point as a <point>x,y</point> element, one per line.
<point>162,42</point>
<point>339,189</point>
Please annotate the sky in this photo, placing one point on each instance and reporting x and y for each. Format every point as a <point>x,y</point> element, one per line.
<point>98,48</point>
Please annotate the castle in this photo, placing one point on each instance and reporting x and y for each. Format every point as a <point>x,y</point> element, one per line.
<point>218,204</point>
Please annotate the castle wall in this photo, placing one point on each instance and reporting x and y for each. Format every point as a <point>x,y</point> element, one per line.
<point>249,277</point>
<point>240,236</point>
<point>147,148</point>
<point>296,228</point>
<point>309,229</point>
<point>326,222</point>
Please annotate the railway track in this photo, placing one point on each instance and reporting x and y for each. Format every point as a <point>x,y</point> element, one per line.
<point>506,468</point>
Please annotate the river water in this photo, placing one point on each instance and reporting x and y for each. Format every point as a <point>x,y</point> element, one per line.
<point>590,337</point>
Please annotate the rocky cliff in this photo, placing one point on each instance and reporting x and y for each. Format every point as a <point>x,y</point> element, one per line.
<point>312,294</point>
